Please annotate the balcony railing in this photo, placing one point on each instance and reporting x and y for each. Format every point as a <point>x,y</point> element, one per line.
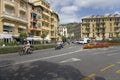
<point>46,13</point>
<point>117,31</point>
<point>34,20</point>
<point>100,27</point>
<point>117,27</point>
<point>12,16</point>
<point>23,9</point>
<point>10,3</point>
<point>86,32</point>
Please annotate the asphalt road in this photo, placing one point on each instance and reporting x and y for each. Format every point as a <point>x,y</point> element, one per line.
<point>69,63</point>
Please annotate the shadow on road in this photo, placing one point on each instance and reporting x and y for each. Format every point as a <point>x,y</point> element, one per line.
<point>41,70</point>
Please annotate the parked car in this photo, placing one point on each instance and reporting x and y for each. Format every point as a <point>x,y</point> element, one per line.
<point>84,41</point>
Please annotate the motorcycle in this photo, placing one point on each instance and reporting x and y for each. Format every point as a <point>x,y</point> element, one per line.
<point>58,46</point>
<point>29,50</point>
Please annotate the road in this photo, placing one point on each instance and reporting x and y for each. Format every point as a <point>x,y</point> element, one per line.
<point>69,63</point>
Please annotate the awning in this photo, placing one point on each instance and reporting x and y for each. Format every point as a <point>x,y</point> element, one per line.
<point>23,27</point>
<point>9,24</point>
<point>5,36</point>
<point>34,38</point>
<point>33,14</point>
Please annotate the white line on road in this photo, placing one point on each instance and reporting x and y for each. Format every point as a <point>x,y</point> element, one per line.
<point>70,60</point>
<point>72,47</point>
<point>44,58</point>
<point>113,54</point>
<point>105,52</point>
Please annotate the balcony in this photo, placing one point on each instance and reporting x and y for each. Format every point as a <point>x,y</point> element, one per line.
<point>52,29</point>
<point>47,14</point>
<point>87,27</point>
<point>116,22</point>
<point>9,3</point>
<point>23,19</point>
<point>116,27</point>
<point>86,32</point>
<point>11,16</point>
<point>103,31</point>
<point>100,27</point>
<point>97,31</point>
<point>34,12</point>
<point>7,15</point>
<point>33,28</point>
<point>23,9</point>
<point>34,20</point>
<point>117,31</point>
<point>46,28</point>
<point>22,27</point>
<point>100,23</point>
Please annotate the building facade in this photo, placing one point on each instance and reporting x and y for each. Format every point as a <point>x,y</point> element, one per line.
<point>101,27</point>
<point>13,18</point>
<point>46,21</point>
<point>63,31</point>
<point>32,16</point>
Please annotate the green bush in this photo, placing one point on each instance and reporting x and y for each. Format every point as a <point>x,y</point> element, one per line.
<point>14,49</point>
<point>9,50</point>
<point>114,39</point>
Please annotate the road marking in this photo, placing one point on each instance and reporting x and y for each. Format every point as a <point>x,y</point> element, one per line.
<point>112,54</point>
<point>89,77</point>
<point>72,47</point>
<point>118,71</point>
<point>44,58</point>
<point>70,60</point>
<point>107,67</point>
<point>105,52</point>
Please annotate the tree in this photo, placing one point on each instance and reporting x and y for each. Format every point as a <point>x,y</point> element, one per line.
<point>64,38</point>
<point>23,36</point>
<point>43,36</point>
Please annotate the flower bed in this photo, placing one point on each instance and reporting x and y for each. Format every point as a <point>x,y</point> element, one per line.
<point>95,45</point>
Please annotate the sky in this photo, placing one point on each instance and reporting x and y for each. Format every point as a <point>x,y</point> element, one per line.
<point>70,11</point>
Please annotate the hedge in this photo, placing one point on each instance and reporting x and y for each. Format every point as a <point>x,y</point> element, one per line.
<point>14,49</point>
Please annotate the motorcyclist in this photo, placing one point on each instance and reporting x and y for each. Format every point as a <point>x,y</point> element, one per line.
<point>60,44</point>
<point>26,46</point>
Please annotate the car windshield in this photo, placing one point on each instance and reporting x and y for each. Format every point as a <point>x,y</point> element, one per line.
<point>59,39</point>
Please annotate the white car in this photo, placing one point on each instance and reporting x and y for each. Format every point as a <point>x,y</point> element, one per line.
<point>84,41</point>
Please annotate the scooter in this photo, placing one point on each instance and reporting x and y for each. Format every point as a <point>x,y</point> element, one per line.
<point>58,46</point>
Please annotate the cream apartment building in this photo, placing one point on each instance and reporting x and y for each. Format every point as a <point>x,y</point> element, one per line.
<point>46,20</point>
<point>13,18</point>
<point>63,31</point>
<point>101,27</point>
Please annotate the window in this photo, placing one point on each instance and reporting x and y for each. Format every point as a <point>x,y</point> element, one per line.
<point>110,27</point>
<point>39,25</point>
<point>9,10</point>
<point>110,19</point>
<point>39,10</point>
<point>22,15</point>
<point>33,8</point>
<point>110,35</point>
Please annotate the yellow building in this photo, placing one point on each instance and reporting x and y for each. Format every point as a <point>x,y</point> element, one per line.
<point>48,21</point>
<point>101,27</point>
<point>13,18</point>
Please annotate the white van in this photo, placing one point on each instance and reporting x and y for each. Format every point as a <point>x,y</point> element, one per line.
<point>84,41</point>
